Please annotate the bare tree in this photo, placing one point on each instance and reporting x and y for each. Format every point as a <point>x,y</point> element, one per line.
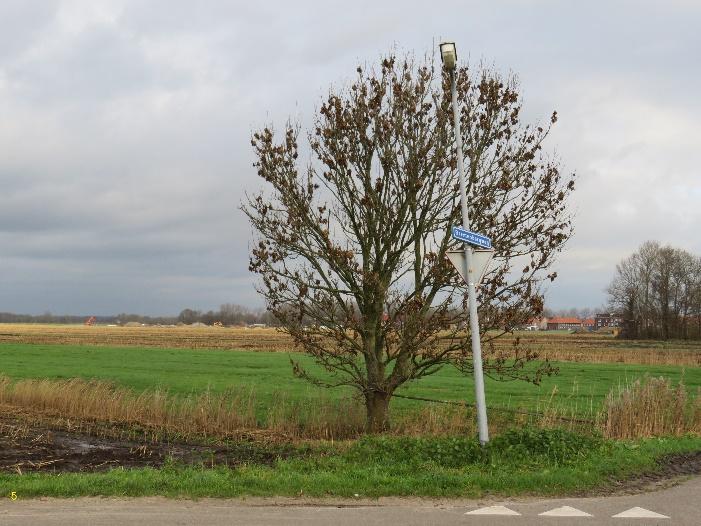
<point>657,290</point>
<point>646,260</point>
<point>624,293</point>
<point>352,247</point>
<point>695,296</point>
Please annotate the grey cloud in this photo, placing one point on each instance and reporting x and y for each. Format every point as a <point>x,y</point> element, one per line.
<point>124,131</point>
<point>22,23</point>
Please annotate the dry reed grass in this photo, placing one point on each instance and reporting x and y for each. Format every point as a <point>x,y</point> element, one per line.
<point>604,348</point>
<point>651,407</point>
<point>215,415</point>
<point>637,356</point>
<point>226,415</point>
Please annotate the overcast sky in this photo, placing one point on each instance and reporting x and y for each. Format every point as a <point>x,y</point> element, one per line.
<point>125,126</point>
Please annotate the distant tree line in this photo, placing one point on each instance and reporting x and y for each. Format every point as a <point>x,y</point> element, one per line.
<point>574,312</point>
<point>228,314</point>
<point>47,317</point>
<point>657,291</point>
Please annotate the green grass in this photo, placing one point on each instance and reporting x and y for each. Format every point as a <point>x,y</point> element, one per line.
<point>530,462</point>
<point>525,462</point>
<point>183,372</point>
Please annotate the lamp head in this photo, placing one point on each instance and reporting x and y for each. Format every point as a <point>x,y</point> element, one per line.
<point>449,55</point>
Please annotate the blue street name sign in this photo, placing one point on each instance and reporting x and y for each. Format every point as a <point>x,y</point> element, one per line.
<point>471,237</point>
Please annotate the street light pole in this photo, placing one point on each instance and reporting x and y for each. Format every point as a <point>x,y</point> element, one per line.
<point>449,57</point>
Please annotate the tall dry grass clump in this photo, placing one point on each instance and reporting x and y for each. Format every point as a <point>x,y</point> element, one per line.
<point>651,407</point>
<point>102,401</point>
<point>208,414</point>
<point>227,414</point>
<point>437,420</point>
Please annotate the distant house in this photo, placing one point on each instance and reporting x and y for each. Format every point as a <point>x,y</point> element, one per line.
<point>558,324</point>
<point>607,319</point>
<point>536,324</point>
<point>589,324</point>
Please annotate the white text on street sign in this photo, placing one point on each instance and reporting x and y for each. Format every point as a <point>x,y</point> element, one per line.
<point>473,238</point>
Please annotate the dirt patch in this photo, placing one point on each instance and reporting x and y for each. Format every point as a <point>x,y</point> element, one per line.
<point>670,471</point>
<point>34,444</point>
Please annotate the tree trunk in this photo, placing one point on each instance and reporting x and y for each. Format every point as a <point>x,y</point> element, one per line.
<point>377,404</point>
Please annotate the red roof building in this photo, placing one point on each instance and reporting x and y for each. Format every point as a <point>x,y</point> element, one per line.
<point>558,324</point>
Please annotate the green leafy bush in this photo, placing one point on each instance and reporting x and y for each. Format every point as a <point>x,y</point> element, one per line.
<point>551,446</point>
<point>519,447</point>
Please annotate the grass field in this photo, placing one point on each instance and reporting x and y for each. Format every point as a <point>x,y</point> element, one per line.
<point>193,364</point>
<point>578,387</point>
<point>558,346</point>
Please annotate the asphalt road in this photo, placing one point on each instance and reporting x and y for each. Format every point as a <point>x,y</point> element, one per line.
<point>681,504</point>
